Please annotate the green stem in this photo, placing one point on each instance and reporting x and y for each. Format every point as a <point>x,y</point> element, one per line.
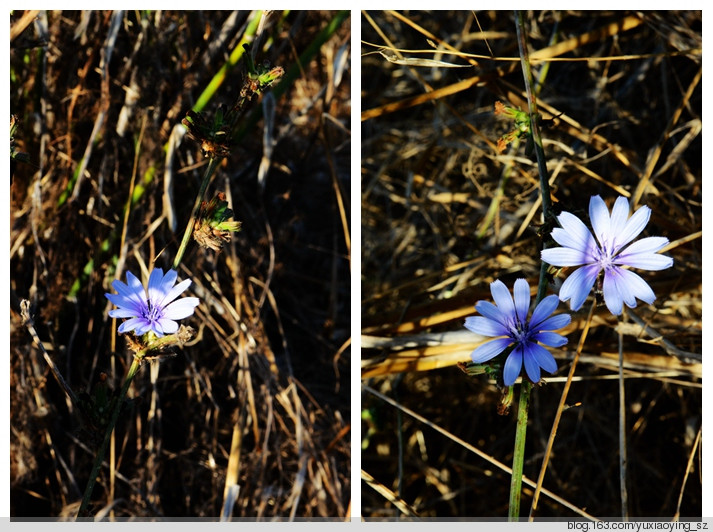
<point>519,454</point>
<point>107,436</point>
<point>526,387</point>
<point>212,165</point>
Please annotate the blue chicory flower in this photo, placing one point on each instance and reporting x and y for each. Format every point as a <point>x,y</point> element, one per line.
<point>507,320</point>
<point>152,309</point>
<point>611,252</point>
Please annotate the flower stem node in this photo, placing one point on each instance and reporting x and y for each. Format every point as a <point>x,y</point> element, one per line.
<point>216,136</point>
<point>259,77</point>
<point>213,228</point>
<point>522,124</point>
<point>506,320</point>
<point>213,136</point>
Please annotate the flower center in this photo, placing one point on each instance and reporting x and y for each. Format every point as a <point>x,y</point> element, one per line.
<point>152,313</point>
<point>605,257</point>
<point>519,332</point>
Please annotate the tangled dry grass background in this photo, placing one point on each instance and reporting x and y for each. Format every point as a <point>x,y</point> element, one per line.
<point>443,215</point>
<point>261,397</point>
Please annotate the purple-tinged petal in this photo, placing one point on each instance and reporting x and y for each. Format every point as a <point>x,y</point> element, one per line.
<point>135,287</point>
<point>555,322</point>
<point>181,309</point>
<point>176,291</point>
<point>543,357</point>
<point>650,244</point>
<point>158,285</point>
<point>619,215</point>
<point>639,287</point>
<point>122,313</point>
<point>503,299</point>
<point>131,324</point>
<point>167,326</point>
<point>632,228</point>
<point>543,310</point>
<point>124,302</point>
<point>613,296</point>
<point>573,233</point>
<point>134,291</point>
<point>487,309</point>
<point>490,349</point>
<point>645,261</point>
<point>578,285</point>
<point>521,291</point>
<point>531,366</point>
<point>551,339</point>
<point>601,221</point>
<point>485,326</point>
<point>642,254</point>
<point>513,366</point>
<point>566,257</point>
<point>626,286</point>
<point>148,325</point>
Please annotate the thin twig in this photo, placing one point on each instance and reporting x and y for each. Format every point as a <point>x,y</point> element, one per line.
<point>685,476</point>
<point>28,322</point>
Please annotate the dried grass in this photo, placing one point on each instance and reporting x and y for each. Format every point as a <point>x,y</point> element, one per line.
<point>258,404</point>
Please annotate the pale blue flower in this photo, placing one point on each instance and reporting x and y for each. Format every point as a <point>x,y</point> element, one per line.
<point>611,252</point>
<point>151,309</point>
<point>507,320</point>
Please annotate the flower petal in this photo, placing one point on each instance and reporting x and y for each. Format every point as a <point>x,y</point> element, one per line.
<point>619,215</point>
<point>543,310</point>
<point>632,228</point>
<point>503,299</point>
<point>123,313</point>
<point>131,304</point>
<point>176,291</point>
<point>642,254</point>
<point>513,366</point>
<point>543,357</point>
<point>555,322</point>
<point>566,257</point>
<point>130,325</point>
<point>167,326</point>
<point>578,285</point>
<point>639,287</point>
<point>531,365</point>
<point>485,326</point>
<point>601,221</point>
<point>134,291</point>
<point>624,286</point>
<point>521,291</point>
<point>650,244</point>
<point>487,309</point>
<point>613,296</point>
<point>181,309</point>
<point>550,338</point>
<point>159,285</point>
<point>490,349</point>
<point>573,234</point>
